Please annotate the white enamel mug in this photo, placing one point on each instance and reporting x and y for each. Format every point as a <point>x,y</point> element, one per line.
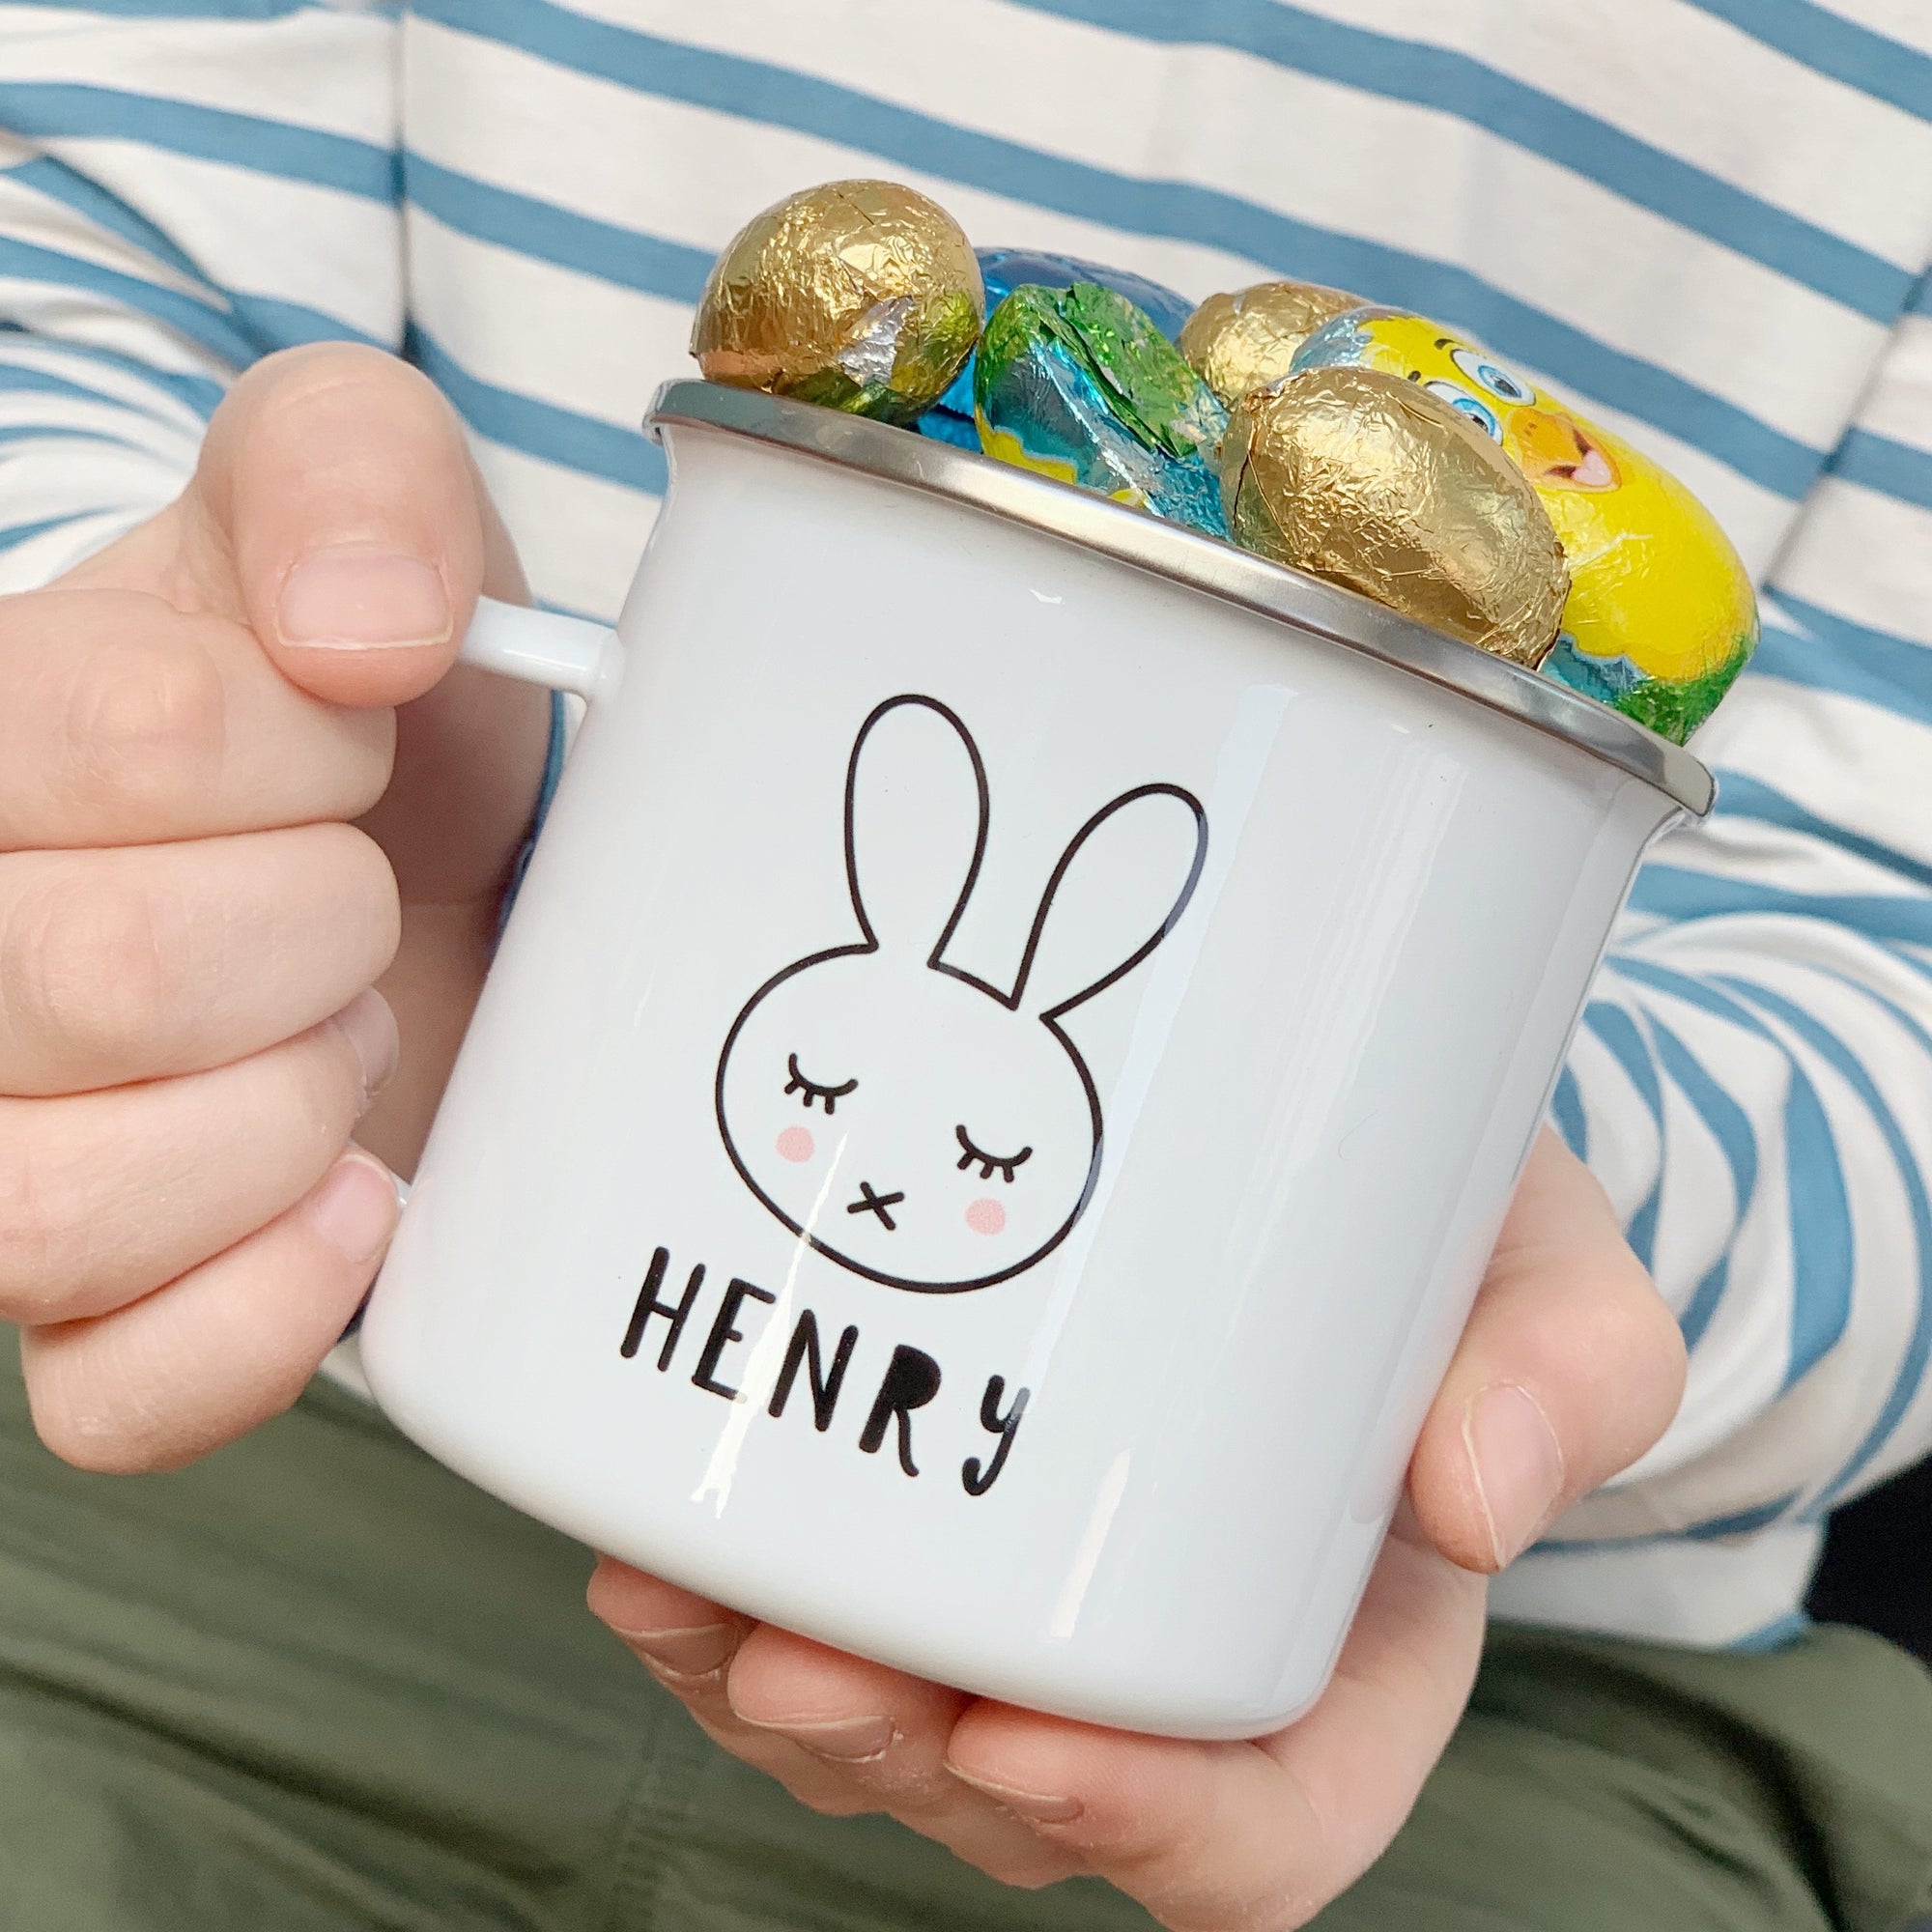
<point>1009,1058</point>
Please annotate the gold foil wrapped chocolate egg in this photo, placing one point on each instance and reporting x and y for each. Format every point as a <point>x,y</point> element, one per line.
<point>1243,342</point>
<point>860,295</point>
<point>1364,478</point>
<point>1662,614</point>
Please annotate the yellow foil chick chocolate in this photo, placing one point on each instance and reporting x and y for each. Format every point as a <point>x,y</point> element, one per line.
<point>1362,477</point>
<point>1661,615</point>
<point>860,295</point>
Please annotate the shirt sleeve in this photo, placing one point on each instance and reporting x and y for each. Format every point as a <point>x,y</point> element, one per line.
<point>1752,1080</point>
<point>185,186</point>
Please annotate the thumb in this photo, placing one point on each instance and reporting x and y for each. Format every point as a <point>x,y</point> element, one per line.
<point>1571,1366</point>
<point>335,484</point>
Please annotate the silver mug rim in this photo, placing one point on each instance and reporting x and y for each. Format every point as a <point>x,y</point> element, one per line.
<point>1145,542</point>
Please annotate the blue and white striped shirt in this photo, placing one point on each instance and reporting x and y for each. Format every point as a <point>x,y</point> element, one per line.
<point>1709,221</point>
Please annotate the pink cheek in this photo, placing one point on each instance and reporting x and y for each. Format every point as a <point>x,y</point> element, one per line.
<point>986,1216</point>
<point>795,1144</point>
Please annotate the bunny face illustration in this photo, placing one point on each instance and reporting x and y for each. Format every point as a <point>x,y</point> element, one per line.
<point>917,1125</point>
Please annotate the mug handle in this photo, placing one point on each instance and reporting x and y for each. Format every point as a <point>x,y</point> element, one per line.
<point>538,647</point>
<point>543,647</point>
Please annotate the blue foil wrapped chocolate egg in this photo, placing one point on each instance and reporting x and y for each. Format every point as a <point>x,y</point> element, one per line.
<point>1079,384</point>
<point>1005,270</point>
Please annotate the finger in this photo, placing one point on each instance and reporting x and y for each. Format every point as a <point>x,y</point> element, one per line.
<point>1260,1836</point>
<point>125,965</point>
<point>337,482</point>
<point>1569,1368</point>
<point>338,487</point>
<point>687,1644</point>
<point>886,1733</point>
<point>844,1736</point>
<point>103,1196</point>
<point>128,723</point>
<point>221,1349</point>
<point>470,756</point>
<point>672,1625</point>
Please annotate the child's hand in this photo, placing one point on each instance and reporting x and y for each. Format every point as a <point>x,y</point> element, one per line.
<point>1569,1368</point>
<point>189,923</point>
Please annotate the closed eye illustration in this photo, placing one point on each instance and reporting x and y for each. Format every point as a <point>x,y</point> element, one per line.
<point>1005,1164</point>
<point>918,1125</point>
<point>828,1097</point>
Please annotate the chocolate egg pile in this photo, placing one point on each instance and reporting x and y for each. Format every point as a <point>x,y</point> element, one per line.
<point>1366,445</point>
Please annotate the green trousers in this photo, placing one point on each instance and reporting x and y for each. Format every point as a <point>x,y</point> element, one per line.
<point>316,1682</point>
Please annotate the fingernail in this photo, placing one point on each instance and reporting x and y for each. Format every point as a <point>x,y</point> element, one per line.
<point>353,600</point>
<point>844,1740</point>
<point>685,1653</point>
<point>354,1209</point>
<point>1036,1806</point>
<point>1517,1465</point>
<point>369,1025</point>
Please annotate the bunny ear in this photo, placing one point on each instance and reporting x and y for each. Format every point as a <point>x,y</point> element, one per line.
<point>1117,893</point>
<point>915,824</point>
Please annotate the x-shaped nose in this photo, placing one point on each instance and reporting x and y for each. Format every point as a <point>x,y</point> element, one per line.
<point>871,1202</point>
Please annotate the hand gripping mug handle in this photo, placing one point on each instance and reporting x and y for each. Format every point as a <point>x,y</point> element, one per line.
<point>542,647</point>
<point>538,647</point>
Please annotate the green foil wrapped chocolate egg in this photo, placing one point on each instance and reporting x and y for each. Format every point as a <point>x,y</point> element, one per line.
<point>1077,384</point>
<point>1366,480</point>
<point>861,295</point>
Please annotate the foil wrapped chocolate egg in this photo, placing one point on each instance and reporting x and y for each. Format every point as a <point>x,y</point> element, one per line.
<point>861,295</point>
<point>1080,385</point>
<point>1246,341</point>
<point>1362,477</point>
<point>1661,615</point>
<point>1008,268</point>
<point>1003,270</point>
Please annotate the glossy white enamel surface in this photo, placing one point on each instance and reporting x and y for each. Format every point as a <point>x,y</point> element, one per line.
<point>1312,1096</point>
